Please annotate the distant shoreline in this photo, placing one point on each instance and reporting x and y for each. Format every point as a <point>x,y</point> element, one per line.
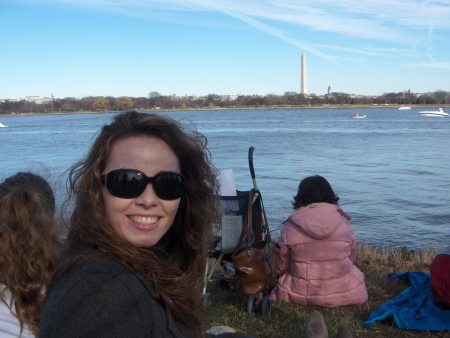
<point>341,106</point>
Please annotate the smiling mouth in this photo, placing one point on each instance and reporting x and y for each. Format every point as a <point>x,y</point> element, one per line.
<point>144,219</point>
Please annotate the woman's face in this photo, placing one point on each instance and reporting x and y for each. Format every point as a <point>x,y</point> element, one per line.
<point>143,220</point>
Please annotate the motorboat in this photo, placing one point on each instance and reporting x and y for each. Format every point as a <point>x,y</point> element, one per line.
<point>404,108</point>
<point>439,112</point>
<point>2,125</point>
<point>356,115</point>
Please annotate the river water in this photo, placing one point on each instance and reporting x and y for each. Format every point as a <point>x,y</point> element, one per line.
<point>391,169</point>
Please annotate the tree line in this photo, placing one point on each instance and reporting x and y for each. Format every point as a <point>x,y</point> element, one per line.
<point>155,100</point>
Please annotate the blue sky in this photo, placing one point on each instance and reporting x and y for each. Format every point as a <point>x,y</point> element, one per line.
<point>77,48</point>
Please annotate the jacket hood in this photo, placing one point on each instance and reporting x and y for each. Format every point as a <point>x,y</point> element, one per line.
<point>318,220</point>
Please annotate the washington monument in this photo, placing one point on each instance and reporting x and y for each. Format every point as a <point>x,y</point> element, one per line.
<point>304,82</point>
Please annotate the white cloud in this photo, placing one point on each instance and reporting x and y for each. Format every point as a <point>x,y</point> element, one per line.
<point>380,19</point>
<point>412,26</point>
<point>431,65</point>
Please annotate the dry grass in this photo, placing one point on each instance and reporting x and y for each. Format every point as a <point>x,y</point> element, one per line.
<point>288,320</point>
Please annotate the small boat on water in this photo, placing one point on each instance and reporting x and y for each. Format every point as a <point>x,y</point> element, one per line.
<point>356,115</point>
<point>440,112</point>
<point>404,108</point>
<point>2,125</point>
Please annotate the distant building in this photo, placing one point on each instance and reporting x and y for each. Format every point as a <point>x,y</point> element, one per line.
<point>229,97</point>
<point>329,90</point>
<point>9,100</point>
<point>304,81</point>
<point>37,99</point>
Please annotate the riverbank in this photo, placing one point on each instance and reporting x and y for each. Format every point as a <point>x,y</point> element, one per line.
<point>288,320</point>
<point>213,108</point>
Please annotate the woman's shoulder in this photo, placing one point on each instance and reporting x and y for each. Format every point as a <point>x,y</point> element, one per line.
<point>92,276</point>
<point>91,287</point>
<point>9,323</point>
<point>312,210</point>
<point>100,265</point>
<point>322,208</point>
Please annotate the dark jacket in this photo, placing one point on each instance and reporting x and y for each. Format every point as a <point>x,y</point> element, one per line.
<point>102,298</point>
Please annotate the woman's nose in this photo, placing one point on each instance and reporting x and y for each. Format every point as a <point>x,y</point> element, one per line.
<point>148,197</point>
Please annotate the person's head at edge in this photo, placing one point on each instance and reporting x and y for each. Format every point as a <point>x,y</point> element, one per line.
<point>28,246</point>
<point>172,261</point>
<point>314,189</point>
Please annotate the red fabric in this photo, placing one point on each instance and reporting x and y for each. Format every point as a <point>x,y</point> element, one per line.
<point>440,279</point>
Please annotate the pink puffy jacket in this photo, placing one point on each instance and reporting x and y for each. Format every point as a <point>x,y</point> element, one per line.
<point>318,249</point>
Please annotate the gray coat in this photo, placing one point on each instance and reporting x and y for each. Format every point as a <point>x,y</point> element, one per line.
<point>102,298</point>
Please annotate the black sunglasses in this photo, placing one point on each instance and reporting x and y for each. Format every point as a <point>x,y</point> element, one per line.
<point>130,183</point>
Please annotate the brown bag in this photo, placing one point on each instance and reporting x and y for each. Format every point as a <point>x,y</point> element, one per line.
<point>253,258</point>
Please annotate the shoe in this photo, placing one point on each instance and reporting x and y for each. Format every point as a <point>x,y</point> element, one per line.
<point>217,330</point>
<point>316,328</point>
<point>344,332</point>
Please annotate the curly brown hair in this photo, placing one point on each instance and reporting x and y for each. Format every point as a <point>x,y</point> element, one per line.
<point>28,247</point>
<point>175,265</point>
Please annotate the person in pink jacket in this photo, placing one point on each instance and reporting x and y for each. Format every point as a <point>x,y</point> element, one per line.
<point>318,249</point>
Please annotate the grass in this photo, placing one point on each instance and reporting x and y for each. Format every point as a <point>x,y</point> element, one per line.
<point>228,307</point>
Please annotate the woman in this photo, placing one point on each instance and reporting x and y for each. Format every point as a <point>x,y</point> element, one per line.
<point>317,252</point>
<point>27,251</point>
<point>132,266</point>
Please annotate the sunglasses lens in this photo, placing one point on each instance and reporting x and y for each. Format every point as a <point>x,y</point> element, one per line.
<point>126,184</point>
<point>168,186</point>
<point>132,183</point>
